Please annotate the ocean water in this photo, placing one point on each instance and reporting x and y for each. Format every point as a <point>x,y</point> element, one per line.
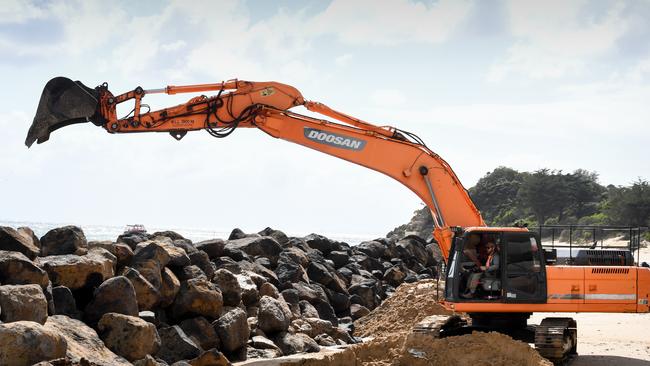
<point>110,232</point>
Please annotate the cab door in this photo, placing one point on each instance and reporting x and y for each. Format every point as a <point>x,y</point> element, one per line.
<point>525,273</point>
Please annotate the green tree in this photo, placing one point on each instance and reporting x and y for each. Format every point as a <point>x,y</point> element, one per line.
<point>585,193</point>
<point>495,195</point>
<point>545,194</point>
<point>629,205</point>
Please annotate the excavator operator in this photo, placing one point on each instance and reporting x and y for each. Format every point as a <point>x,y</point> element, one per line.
<point>489,270</point>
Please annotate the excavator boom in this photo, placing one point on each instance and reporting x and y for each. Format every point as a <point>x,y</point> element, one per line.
<point>266,106</point>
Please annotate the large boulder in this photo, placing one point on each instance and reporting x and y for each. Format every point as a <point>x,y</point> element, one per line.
<point>29,234</point>
<point>146,294</point>
<point>22,302</point>
<point>128,336</point>
<point>339,258</point>
<point>229,286</point>
<point>366,294</point>
<point>319,273</point>
<point>278,235</point>
<point>168,234</point>
<point>121,251</point>
<point>264,246</point>
<point>372,248</point>
<point>321,243</point>
<point>295,343</point>
<point>17,269</point>
<point>310,292</point>
<point>250,294</point>
<point>169,287</point>
<point>413,247</point>
<point>115,295</point>
<point>213,248</point>
<point>198,297</point>
<point>273,315</point>
<point>202,260</point>
<point>152,270</point>
<point>176,345</point>
<point>64,302</point>
<point>201,332</point>
<point>26,343</point>
<point>295,255</point>
<point>289,272</point>
<point>75,272</point>
<point>12,240</point>
<point>133,239</point>
<point>64,240</point>
<point>163,251</point>
<point>233,329</point>
<point>210,358</point>
<point>83,342</point>
<point>358,311</point>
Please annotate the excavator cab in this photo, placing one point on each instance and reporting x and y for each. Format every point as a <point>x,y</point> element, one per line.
<point>519,278</point>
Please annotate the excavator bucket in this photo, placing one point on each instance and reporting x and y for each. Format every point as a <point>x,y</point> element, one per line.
<point>62,103</point>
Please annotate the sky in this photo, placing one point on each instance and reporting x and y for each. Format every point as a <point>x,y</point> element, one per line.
<point>524,84</point>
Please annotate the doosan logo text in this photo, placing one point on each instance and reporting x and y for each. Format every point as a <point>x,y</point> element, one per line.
<point>333,139</point>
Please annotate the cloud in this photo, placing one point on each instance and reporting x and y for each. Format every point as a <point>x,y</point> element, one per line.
<point>343,60</point>
<point>388,98</point>
<point>19,11</point>
<point>391,22</point>
<point>557,38</point>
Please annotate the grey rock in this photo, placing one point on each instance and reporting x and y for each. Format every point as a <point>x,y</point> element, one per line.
<point>17,269</point>
<point>257,246</point>
<point>26,343</point>
<point>339,258</point>
<point>213,248</point>
<point>64,302</point>
<point>232,328</point>
<point>146,294</point>
<point>229,285</point>
<point>210,358</point>
<point>358,311</point>
<point>115,295</point>
<point>12,240</point>
<point>273,315</point>
<point>201,332</point>
<point>128,336</point>
<point>250,294</point>
<point>198,297</point>
<point>295,343</point>
<point>75,272</point>
<point>64,240</point>
<point>201,260</point>
<point>170,285</point>
<point>23,302</point>
<point>176,345</point>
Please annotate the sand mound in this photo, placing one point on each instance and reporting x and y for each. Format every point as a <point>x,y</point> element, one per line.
<point>391,323</point>
<point>411,303</point>
<point>475,349</point>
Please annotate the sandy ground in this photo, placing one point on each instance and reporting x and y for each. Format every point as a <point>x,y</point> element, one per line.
<point>610,339</point>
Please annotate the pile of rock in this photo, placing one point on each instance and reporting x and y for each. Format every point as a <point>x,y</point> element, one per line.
<point>157,299</point>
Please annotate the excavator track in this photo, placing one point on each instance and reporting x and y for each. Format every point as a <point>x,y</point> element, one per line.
<point>556,339</point>
<point>433,327</point>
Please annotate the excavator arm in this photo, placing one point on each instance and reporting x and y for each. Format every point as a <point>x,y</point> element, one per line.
<point>266,106</point>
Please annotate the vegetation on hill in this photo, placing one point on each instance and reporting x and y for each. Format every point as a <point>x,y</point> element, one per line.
<point>508,197</point>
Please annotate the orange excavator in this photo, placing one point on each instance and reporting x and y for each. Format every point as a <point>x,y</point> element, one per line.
<point>526,278</point>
